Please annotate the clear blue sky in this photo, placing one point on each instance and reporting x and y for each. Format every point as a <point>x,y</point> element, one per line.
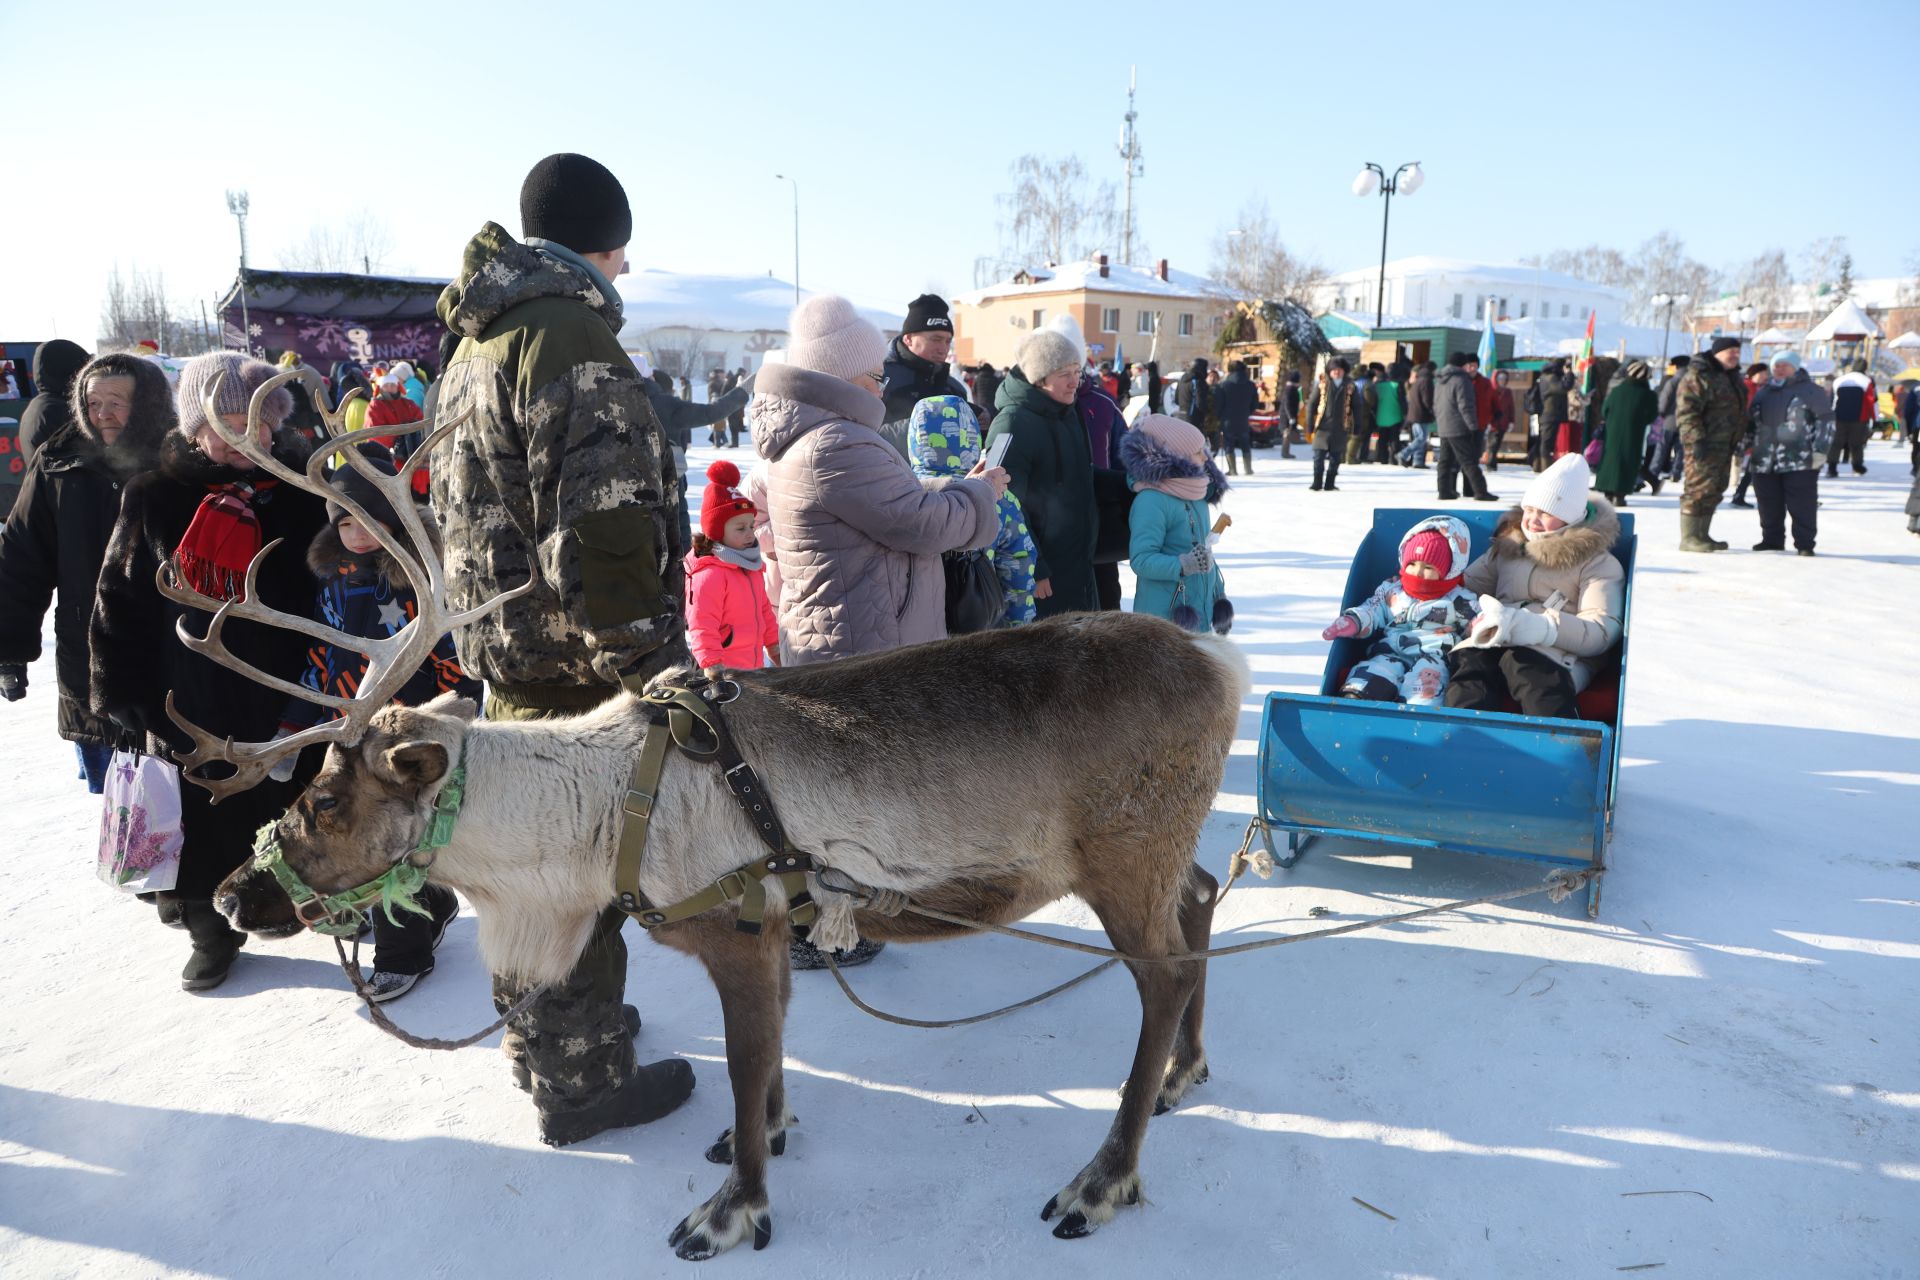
<point>1540,126</point>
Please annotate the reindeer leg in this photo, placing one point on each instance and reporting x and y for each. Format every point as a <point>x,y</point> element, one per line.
<point>779,1119</point>
<point>747,972</point>
<point>1142,925</point>
<point>1189,1065</point>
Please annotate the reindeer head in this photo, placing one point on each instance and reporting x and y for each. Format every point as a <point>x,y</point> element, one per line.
<point>365,811</point>
<point>382,760</point>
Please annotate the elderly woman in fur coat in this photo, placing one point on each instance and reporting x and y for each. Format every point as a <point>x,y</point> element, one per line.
<point>1551,594</point>
<point>56,537</point>
<point>204,513</point>
<point>1173,569</point>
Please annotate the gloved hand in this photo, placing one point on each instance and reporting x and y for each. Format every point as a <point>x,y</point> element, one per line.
<point>1525,629</point>
<point>282,770</point>
<point>1487,624</point>
<point>1345,625</point>
<point>1198,560</point>
<point>13,681</point>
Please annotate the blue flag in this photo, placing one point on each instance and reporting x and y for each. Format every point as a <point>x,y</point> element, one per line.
<point>1487,348</point>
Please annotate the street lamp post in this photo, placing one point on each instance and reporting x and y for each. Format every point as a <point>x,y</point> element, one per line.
<point>1667,301</point>
<point>1745,317</point>
<point>1374,178</point>
<point>237,206</point>
<point>781,177</point>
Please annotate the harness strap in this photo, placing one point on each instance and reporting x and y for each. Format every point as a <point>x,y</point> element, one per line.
<point>687,717</point>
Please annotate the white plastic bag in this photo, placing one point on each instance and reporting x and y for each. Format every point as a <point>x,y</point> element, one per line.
<point>140,833</point>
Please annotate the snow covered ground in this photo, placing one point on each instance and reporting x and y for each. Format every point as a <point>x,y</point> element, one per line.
<point>1721,1075</point>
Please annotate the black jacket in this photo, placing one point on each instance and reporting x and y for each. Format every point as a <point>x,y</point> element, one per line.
<point>1194,397</point>
<point>679,417</point>
<point>911,379</point>
<point>1233,402</point>
<point>1050,469</point>
<point>986,388</point>
<point>56,537</point>
<point>54,365</point>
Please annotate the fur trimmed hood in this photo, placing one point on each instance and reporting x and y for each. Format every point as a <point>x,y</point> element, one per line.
<point>1571,547</point>
<point>327,555</point>
<point>149,425</point>
<point>1147,461</point>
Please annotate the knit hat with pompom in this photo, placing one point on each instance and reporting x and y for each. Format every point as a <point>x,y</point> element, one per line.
<point>723,500</point>
<point>239,377</point>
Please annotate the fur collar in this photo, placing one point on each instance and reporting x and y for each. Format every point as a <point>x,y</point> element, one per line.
<point>1568,549</point>
<point>182,461</point>
<point>328,556</point>
<point>1147,461</point>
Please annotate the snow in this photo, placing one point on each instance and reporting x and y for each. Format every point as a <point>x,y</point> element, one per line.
<point>1846,320</point>
<point>1506,273</point>
<point>1736,1033</point>
<point>1072,277</point>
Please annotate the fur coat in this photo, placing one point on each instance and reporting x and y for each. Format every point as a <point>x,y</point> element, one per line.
<point>1571,576</point>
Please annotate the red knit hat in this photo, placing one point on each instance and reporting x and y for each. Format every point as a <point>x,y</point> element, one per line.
<point>723,500</point>
<point>1429,546</point>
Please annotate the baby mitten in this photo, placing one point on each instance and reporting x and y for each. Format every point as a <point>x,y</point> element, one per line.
<point>1345,625</point>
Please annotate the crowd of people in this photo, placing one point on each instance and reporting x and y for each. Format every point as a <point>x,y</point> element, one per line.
<point>890,500</point>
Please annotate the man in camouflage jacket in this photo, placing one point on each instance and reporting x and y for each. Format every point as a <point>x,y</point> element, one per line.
<point>1711,405</point>
<point>562,475</point>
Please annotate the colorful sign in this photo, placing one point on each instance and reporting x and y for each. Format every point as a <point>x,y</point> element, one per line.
<point>321,340</point>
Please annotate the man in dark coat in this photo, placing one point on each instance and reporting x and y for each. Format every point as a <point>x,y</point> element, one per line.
<point>54,365</point>
<point>1288,406</point>
<point>187,514</point>
<point>1456,407</point>
<point>1333,411</point>
<point>1420,419</point>
<point>1550,399</point>
<point>917,367</point>
<point>56,538</point>
<point>1194,398</point>
<point>1233,402</point>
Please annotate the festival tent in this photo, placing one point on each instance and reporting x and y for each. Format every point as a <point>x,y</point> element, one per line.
<point>1908,341</point>
<point>333,315</point>
<point>1846,323</point>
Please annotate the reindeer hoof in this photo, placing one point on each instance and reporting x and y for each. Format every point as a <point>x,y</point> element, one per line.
<point>721,1223</point>
<point>721,1152</point>
<point>1089,1201</point>
<point>777,1145</point>
<point>1179,1082</point>
<point>1072,1227</point>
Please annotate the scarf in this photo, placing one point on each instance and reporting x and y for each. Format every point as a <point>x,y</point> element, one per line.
<point>1426,588</point>
<point>220,542</point>
<point>750,559</point>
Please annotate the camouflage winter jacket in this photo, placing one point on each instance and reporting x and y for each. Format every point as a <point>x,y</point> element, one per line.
<point>561,474</point>
<point>1792,425</point>
<point>1711,403</point>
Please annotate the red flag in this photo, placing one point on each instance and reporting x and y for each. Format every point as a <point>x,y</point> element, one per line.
<point>1584,365</point>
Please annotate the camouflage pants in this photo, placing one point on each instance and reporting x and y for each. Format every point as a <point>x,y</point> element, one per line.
<point>572,1041</point>
<point>1709,467</point>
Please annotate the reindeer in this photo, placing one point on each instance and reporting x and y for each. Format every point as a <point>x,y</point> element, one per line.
<point>983,776</point>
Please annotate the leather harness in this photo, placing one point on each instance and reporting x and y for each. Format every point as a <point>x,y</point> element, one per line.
<point>686,714</point>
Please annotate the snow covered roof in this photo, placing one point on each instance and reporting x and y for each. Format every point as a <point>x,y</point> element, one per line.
<point>1074,277</point>
<point>1774,337</point>
<point>1364,320</point>
<point>1847,318</point>
<point>1430,265</point>
<point>735,304</point>
<point>1907,341</point>
<point>1878,293</point>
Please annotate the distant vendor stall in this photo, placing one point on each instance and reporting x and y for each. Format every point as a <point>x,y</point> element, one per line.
<point>330,315</point>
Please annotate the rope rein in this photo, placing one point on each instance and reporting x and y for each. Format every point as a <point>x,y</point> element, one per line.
<point>386,1024</point>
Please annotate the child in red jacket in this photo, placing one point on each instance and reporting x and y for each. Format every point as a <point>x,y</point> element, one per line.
<point>730,621</point>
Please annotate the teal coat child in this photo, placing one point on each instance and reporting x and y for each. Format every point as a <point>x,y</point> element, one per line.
<point>943,439</point>
<point>1173,569</point>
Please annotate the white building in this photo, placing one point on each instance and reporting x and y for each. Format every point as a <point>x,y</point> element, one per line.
<point>1456,289</point>
<point>694,324</point>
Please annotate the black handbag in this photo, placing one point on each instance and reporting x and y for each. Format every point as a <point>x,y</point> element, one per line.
<point>975,601</point>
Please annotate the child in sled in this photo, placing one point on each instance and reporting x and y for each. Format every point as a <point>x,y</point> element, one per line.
<point>730,620</point>
<point>1551,595</point>
<point>943,439</point>
<point>363,592</point>
<point>1414,620</point>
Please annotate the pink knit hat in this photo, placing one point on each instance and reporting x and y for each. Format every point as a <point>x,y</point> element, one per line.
<point>1182,439</point>
<point>828,336</point>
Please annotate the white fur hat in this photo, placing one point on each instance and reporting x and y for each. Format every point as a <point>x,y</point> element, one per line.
<point>828,336</point>
<point>1561,490</point>
<point>1045,352</point>
<point>1064,323</point>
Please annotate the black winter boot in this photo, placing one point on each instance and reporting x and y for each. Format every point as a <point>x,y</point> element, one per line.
<point>214,946</point>
<point>651,1092</point>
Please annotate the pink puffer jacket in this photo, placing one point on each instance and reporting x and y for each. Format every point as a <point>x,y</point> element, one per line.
<point>857,534</point>
<point>730,622</point>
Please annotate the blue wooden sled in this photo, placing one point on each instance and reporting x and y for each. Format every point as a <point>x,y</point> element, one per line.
<point>1490,782</point>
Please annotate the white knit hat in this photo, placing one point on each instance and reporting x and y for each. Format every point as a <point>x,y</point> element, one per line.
<point>1047,351</point>
<point>1561,490</point>
<point>828,336</point>
<point>1064,323</point>
<point>403,371</point>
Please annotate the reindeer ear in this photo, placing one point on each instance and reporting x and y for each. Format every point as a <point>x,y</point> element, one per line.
<point>415,764</point>
<point>452,704</point>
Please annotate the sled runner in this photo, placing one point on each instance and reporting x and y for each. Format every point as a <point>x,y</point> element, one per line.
<point>1490,782</point>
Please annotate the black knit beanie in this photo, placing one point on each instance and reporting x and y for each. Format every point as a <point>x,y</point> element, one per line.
<point>928,311</point>
<point>1458,359</point>
<point>577,202</point>
<point>363,491</point>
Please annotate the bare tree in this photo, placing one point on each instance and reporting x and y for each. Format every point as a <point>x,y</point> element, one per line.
<point>137,308</point>
<point>676,352</point>
<point>1660,264</point>
<point>360,243</point>
<point>1250,263</point>
<point>1052,216</point>
<point>1765,283</point>
<point>1820,266</point>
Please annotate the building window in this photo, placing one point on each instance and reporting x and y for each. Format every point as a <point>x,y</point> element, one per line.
<point>1503,308</point>
<point>1143,321</point>
<point>1110,319</point>
<point>1219,322</point>
<point>1523,311</point>
<point>1186,324</point>
<point>1039,318</point>
<point>1563,311</point>
<point>1459,304</point>
<point>1586,313</point>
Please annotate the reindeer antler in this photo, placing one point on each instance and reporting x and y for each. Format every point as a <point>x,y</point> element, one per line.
<point>392,661</point>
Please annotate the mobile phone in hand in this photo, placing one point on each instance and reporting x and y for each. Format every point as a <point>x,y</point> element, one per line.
<point>997,452</point>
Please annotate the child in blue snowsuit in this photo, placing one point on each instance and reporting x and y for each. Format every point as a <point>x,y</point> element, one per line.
<point>943,440</point>
<point>1414,620</point>
<point>363,593</point>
